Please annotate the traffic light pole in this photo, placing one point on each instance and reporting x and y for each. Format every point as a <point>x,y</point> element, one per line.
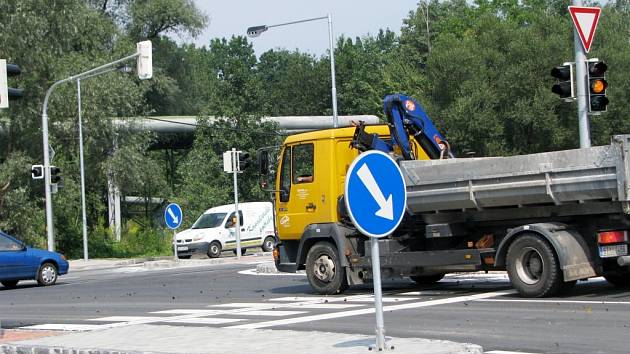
<point>237,227</point>
<point>49,213</point>
<point>580,83</point>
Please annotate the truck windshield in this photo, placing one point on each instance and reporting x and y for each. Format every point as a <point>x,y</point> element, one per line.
<point>207,221</point>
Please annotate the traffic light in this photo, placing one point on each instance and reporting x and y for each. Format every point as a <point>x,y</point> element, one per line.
<point>564,81</point>
<point>244,160</point>
<point>37,171</point>
<point>597,85</point>
<point>55,174</point>
<point>7,93</point>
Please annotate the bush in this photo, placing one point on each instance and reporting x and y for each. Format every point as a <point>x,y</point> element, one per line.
<point>135,242</point>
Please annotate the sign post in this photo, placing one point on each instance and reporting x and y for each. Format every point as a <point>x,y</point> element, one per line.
<point>376,200</point>
<point>231,165</point>
<point>173,218</point>
<point>585,20</point>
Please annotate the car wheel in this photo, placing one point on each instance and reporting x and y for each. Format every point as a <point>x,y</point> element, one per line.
<point>324,270</point>
<point>268,244</point>
<point>47,274</point>
<point>427,279</point>
<point>214,250</point>
<point>533,267</point>
<point>9,283</point>
<point>184,257</point>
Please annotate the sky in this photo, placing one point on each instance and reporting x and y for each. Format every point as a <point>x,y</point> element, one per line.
<point>350,18</point>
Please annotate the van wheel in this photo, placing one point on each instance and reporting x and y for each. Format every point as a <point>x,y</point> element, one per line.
<point>324,270</point>
<point>268,244</point>
<point>214,250</point>
<point>533,267</point>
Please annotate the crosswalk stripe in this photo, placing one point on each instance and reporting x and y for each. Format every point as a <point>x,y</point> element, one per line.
<point>64,327</point>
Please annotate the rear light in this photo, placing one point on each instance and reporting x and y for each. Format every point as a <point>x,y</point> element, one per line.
<point>607,237</point>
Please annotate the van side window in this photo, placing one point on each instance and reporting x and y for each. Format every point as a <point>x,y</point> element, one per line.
<point>285,175</point>
<point>231,221</point>
<point>303,163</point>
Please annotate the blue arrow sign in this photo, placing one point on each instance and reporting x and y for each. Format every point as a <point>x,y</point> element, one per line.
<point>173,216</point>
<point>375,194</point>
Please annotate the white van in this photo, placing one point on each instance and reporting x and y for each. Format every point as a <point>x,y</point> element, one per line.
<point>214,230</point>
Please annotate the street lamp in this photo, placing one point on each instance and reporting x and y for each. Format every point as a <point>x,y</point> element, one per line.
<point>255,31</point>
<point>145,71</point>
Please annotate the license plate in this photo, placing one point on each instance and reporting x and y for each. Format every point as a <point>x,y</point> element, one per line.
<point>613,251</point>
<point>182,248</point>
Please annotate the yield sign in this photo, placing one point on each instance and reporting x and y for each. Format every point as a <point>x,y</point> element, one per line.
<point>585,20</point>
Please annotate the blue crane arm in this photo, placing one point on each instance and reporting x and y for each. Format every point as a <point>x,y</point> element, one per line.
<point>406,119</point>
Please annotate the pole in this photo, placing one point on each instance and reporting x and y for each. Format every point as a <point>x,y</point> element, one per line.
<point>580,83</point>
<point>332,71</point>
<point>49,213</point>
<point>235,168</point>
<point>82,166</point>
<point>378,296</point>
<point>175,244</point>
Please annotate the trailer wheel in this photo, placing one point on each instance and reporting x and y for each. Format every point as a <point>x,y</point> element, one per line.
<point>427,279</point>
<point>324,270</point>
<point>533,267</point>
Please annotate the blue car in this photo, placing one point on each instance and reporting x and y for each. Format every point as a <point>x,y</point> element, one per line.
<point>19,262</point>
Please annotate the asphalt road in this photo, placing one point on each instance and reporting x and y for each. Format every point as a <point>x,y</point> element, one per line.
<point>480,309</point>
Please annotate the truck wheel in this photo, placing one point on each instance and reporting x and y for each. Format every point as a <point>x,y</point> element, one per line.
<point>324,270</point>
<point>533,267</point>
<point>214,250</point>
<point>268,244</point>
<point>618,279</point>
<point>427,279</point>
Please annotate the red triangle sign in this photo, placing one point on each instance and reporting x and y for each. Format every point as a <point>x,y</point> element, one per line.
<point>585,20</point>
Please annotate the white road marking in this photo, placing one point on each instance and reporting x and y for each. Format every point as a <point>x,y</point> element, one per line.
<point>128,319</point>
<point>385,299</point>
<point>365,311</point>
<point>506,352</point>
<point>593,302</point>
<point>64,327</point>
<point>255,272</point>
<point>206,320</point>
<point>270,313</point>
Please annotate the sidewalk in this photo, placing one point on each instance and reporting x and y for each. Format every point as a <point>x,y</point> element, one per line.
<point>163,262</point>
<point>174,339</point>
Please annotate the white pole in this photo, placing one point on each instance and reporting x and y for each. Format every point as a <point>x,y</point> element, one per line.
<point>332,71</point>
<point>82,166</point>
<point>580,83</point>
<point>175,244</point>
<point>378,296</point>
<point>235,168</point>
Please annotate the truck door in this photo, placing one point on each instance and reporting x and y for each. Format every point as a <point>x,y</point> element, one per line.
<point>300,201</point>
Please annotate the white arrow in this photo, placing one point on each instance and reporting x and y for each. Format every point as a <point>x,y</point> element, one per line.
<point>386,206</point>
<point>175,218</point>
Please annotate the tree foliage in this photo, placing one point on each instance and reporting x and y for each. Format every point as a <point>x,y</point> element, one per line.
<point>480,68</point>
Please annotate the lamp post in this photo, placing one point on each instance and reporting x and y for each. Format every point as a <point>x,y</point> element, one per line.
<point>255,31</point>
<point>145,71</point>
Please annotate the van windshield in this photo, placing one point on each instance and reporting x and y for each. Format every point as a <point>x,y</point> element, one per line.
<point>207,221</point>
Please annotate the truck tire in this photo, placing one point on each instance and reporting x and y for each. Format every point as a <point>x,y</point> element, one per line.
<point>427,279</point>
<point>533,267</point>
<point>214,249</point>
<point>619,279</point>
<point>324,270</point>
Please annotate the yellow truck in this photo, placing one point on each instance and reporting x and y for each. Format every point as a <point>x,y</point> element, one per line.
<point>549,219</point>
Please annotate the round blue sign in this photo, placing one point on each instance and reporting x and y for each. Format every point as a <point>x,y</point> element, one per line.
<point>375,193</point>
<point>173,216</point>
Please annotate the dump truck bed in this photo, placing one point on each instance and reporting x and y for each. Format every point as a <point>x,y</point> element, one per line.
<point>556,178</point>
